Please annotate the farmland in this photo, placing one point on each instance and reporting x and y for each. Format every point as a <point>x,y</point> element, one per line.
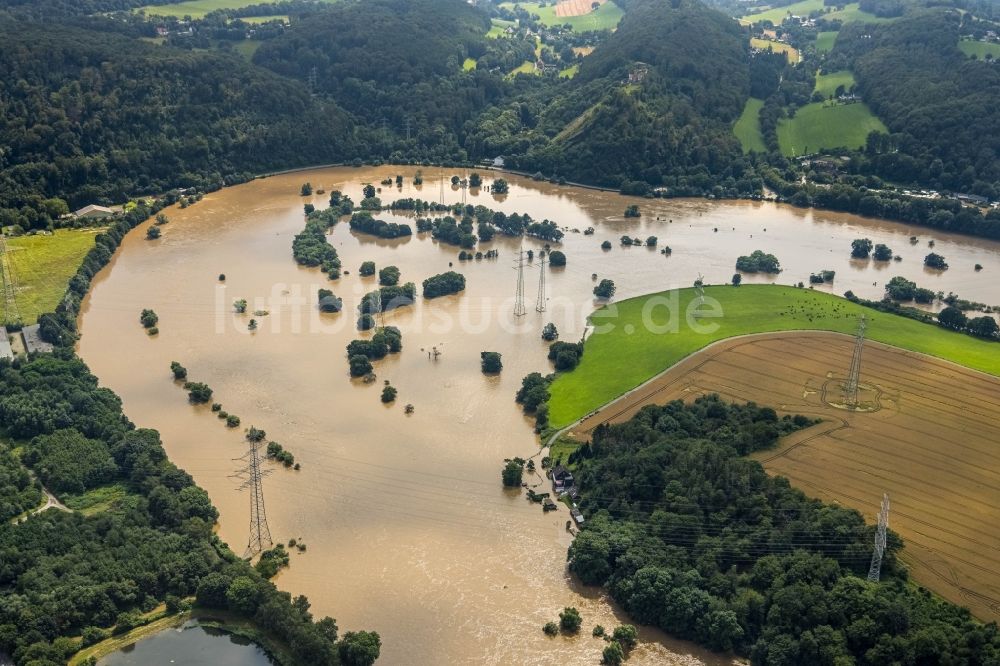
<point>929,443</point>
<point>747,128</point>
<point>605,17</point>
<point>979,49</point>
<point>39,268</point>
<point>603,375</point>
<point>821,126</point>
<point>777,47</point>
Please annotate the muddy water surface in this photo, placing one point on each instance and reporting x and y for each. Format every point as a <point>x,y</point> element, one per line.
<point>407,527</point>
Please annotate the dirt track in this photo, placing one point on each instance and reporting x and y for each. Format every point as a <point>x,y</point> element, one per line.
<point>932,441</point>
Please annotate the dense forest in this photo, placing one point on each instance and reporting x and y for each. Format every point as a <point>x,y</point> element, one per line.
<point>690,536</point>
<point>93,117</point>
<point>948,137</point>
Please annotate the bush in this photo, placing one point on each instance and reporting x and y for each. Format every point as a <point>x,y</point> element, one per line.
<point>232,421</point>
<point>367,269</point>
<point>570,620</point>
<point>388,394</point>
<point>606,245</point>
<point>388,276</point>
<point>180,372</point>
<point>632,211</point>
<point>148,319</point>
<point>613,654</point>
<point>152,233</point>
<point>557,258</point>
<point>882,253</point>
<point>198,392</point>
<point>307,189</point>
<point>565,355</point>
<point>360,365</point>
<point>443,284</point>
<point>861,248</point>
<point>512,473</point>
<point>490,362</point>
<point>936,261</point>
<point>328,302</point>
<point>534,392</point>
<point>550,628</point>
<point>758,262</point>
<point>550,332</point>
<point>605,289</point>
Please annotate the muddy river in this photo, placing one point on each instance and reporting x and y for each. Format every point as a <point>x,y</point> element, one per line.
<point>408,529</point>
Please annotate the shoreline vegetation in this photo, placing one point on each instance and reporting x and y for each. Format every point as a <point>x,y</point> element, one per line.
<point>601,377</point>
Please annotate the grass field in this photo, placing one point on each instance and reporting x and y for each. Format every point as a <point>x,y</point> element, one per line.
<point>778,14</point>
<point>819,126</point>
<point>569,72</point>
<point>526,67</point>
<point>617,361</point>
<point>850,12</point>
<point>497,26</point>
<point>777,47</point>
<point>41,266</point>
<point>198,8</point>
<point>926,434</point>
<point>605,17</point>
<point>979,49</point>
<point>747,128</point>
<point>826,84</point>
<point>826,40</point>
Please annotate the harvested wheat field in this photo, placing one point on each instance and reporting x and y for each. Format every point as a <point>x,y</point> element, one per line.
<point>927,432</point>
<point>576,7</point>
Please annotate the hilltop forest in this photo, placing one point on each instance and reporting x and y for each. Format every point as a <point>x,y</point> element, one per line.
<point>93,112</point>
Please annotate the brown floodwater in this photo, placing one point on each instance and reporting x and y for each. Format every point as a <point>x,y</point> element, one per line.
<point>408,529</point>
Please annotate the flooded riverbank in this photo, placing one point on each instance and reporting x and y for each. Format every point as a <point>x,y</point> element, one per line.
<point>407,527</point>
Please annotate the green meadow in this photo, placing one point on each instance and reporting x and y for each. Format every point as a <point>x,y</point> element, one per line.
<point>827,84</point>
<point>821,126</point>
<point>979,49</point>
<point>39,268</point>
<point>198,8</point>
<point>747,128</point>
<point>628,354</point>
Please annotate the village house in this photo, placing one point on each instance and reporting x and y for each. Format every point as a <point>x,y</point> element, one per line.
<point>562,480</point>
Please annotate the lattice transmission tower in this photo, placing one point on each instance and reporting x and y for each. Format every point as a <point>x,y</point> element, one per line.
<point>853,378</point>
<point>875,570</point>
<point>519,310</point>
<point>540,300</point>
<point>252,474</point>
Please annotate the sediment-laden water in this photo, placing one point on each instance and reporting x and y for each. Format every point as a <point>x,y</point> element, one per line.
<point>408,529</point>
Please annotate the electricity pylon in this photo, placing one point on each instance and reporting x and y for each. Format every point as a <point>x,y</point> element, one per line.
<point>851,388</point>
<point>519,310</point>
<point>260,535</point>
<point>875,570</point>
<point>540,301</point>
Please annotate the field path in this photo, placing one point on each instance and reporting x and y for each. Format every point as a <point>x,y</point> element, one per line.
<point>930,438</point>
